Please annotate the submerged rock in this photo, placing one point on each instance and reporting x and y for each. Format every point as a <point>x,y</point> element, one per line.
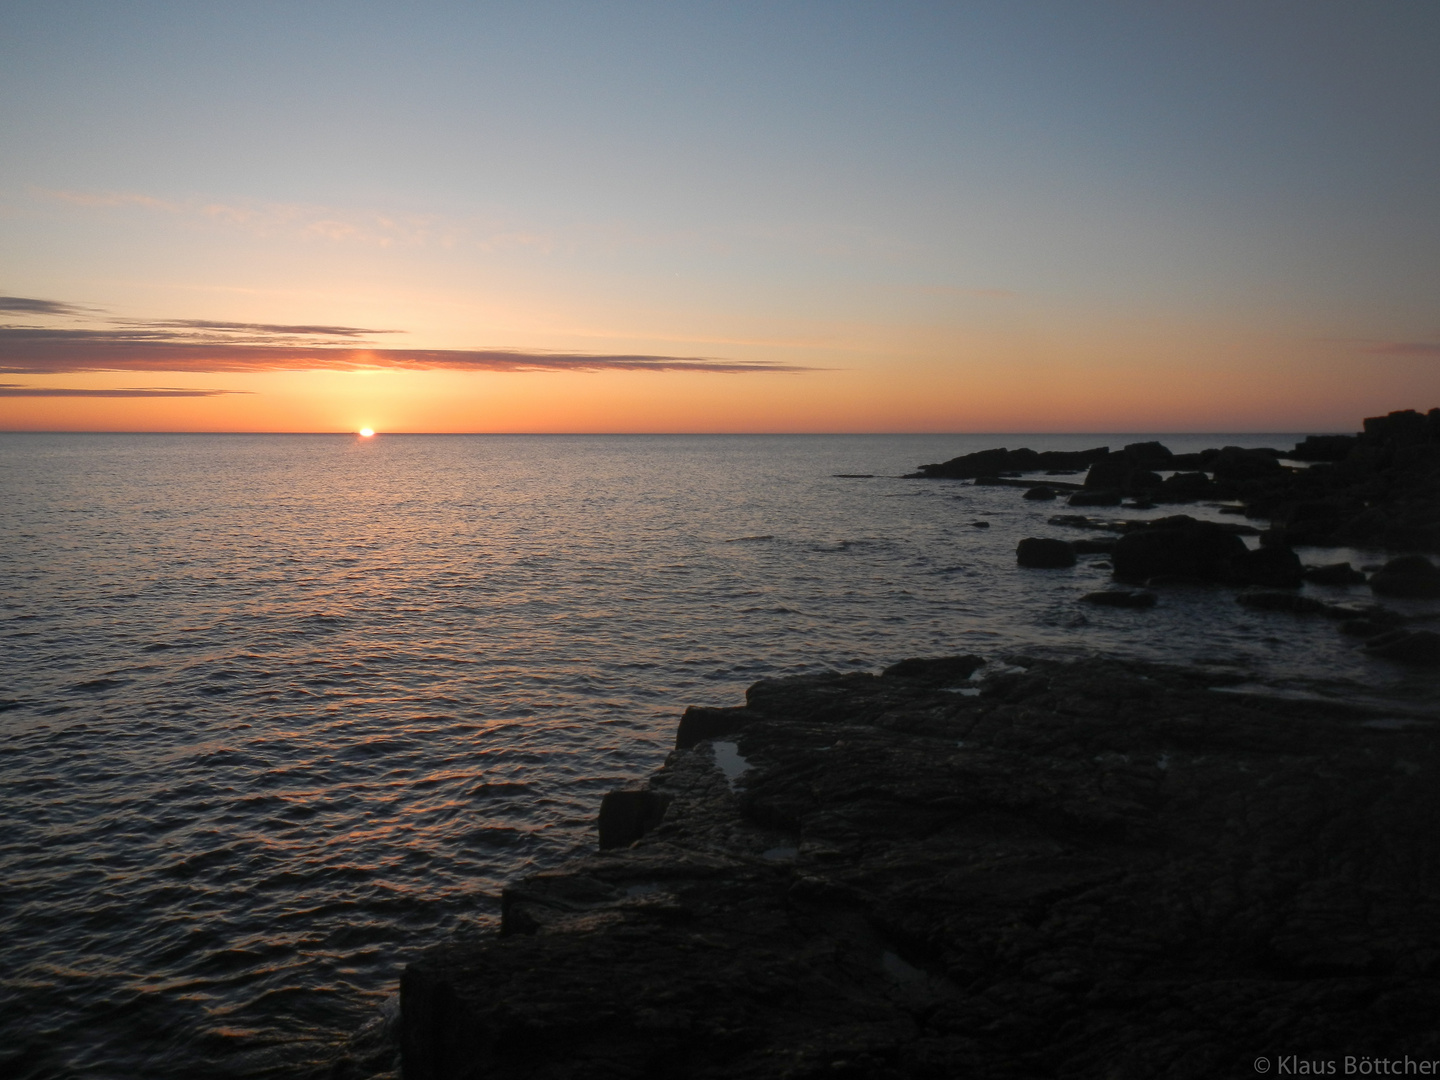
<point>1044,553</point>
<point>1272,567</point>
<point>1419,647</point>
<point>1412,576</point>
<point>1001,460</point>
<point>1179,547</point>
<point>1089,870</point>
<point>1095,498</point>
<point>935,670</point>
<point>1334,574</point>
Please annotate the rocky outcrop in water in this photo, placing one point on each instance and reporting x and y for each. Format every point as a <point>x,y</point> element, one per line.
<point>1044,553</point>
<point>1377,488</point>
<point>1098,869</point>
<point>1000,461</point>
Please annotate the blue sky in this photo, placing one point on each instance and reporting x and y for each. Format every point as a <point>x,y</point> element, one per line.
<point>898,192</point>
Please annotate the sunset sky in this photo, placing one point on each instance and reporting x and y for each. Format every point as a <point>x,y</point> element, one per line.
<point>828,216</point>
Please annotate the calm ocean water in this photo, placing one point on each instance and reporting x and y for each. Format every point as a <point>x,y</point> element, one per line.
<point>276,712</point>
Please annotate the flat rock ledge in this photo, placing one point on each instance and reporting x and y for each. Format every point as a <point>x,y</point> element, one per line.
<point>1093,869</point>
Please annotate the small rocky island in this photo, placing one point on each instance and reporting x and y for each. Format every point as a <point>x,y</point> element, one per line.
<point>1020,868</point>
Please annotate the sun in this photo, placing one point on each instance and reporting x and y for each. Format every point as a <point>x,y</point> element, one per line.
<point>366,432</point>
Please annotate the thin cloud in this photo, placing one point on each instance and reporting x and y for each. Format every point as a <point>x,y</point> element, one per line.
<point>34,351</point>
<point>205,345</point>
<point>1405,348</point>
<point>28,305</point>
<point>263,328</point>
<point>16,390</point>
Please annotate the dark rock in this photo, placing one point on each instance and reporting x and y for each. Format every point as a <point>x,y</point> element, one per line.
<point>626,816</point>
<point>1377,489</point>
<point>1124,525</point>
<point>1149,455</point>
<point>1232,463</point>
<point>1368,622</point>
<point>1040,492</point>
<point>1095,498</point>
<point>935,670</point>
<point>1091,870</point>
<point>1405,427</point>
<point>700,723</point>
<point>1323,448</point>
<point>1123,473</point>
<point>1272,567</point>
<point>1185,487</point>
<point>1184,521</point>
<point>1418,647</point>
<point>1315,521</point>
<point>1094,545</point>
<point>1341,573</point>
<point>1412,576</point>
<point>1044,553</point>
<point>1123,598</point>
<point>1001,460</point>
<point>1198,550</point>
<point>979,524</point>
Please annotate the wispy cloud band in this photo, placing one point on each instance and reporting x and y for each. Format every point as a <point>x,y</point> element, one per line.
<point>26,351</point>
<point>14,390</point>
<point>202,345</point>
<point>29,305</point>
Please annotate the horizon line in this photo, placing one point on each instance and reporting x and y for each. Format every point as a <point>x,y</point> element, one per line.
<point>653,434</point>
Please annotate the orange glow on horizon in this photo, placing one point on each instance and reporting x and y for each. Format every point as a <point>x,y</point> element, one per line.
<point>1104,375</point>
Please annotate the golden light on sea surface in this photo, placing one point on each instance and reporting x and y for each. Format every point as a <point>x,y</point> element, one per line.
<point>366,432</point>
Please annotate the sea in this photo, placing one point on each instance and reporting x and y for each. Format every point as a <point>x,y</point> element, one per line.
<point>278,712</point>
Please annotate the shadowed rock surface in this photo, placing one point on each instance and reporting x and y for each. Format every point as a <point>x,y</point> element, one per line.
<point>1098,869</point>
<point>1040,552</point>
<point>1410,576</point>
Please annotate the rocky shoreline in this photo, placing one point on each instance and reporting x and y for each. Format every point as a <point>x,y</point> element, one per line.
<point>1088,869</point>
<point>1377,488</point>
<point>1018,868</point>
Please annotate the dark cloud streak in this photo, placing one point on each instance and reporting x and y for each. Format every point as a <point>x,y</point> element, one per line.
<point>27,305</point>
<point>33,351</point>
<point>261,328</point>
<point>15,390</point>
<point>204,345</point>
